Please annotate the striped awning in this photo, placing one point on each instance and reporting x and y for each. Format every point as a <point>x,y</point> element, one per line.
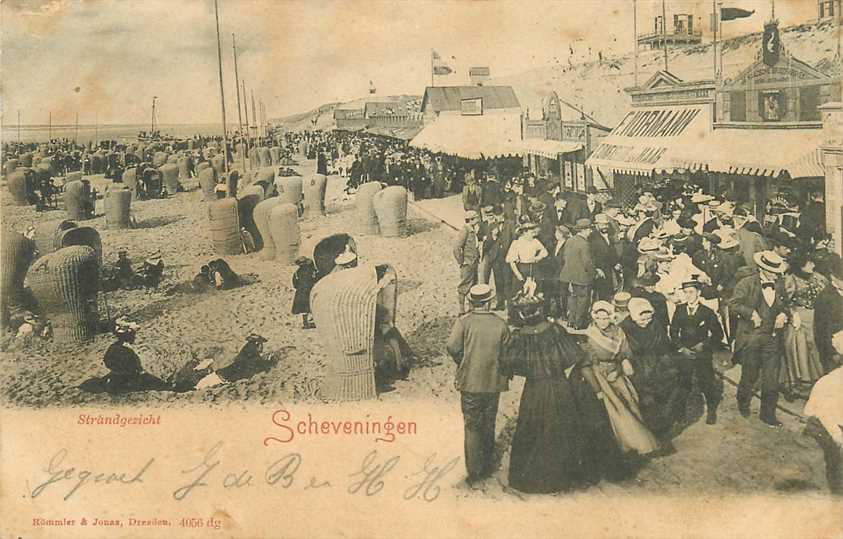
<point>646,139</point>
<point>808,166</point>
<point>755,152</point>
<point>549,148</point>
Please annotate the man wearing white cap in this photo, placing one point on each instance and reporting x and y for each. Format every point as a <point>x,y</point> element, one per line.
<point>477,342</point>
<point>760,305</point>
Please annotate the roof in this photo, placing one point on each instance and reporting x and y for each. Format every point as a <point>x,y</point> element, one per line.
<point>403,133</point>
<point>757,152</point>
<point>549,148</point>
<point>357,104</point>
<point>447,98</point>
<point>472,137</point>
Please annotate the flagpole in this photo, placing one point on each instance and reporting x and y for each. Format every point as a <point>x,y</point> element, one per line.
<point>431,68</point>
<point>239,111</point>
<point>664,33</point>
<point>222,90</point>
<point>635,36</point>
<point>714,22</point>
<point>254,114</point>
<point>722,37</point>
<point>18,126</point>
<point>50,135</point>
<point>237,83</point>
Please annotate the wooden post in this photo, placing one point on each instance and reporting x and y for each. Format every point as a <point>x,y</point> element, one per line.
<point>222,90</point>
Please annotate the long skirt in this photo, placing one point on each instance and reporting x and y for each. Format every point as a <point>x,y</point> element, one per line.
<point>802,362</point>
<point>621,401</point>
<point>547,448</point>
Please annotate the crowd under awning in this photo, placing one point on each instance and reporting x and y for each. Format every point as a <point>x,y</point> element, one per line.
<point>472,137</point>
<point>550,149</point>
<point>756,152</point>
<point>647,140</point>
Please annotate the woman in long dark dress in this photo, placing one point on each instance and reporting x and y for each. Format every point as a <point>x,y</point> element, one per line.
<point>303,280</point>
<point>563,439</point>
<point>656,374</point>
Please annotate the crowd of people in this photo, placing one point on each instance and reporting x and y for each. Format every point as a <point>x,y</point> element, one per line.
<point>614,311</point>
<point>630,305</point>
<point>362,157</point>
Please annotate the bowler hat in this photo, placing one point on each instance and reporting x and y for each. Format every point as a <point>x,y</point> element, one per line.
<point>713,238</point>
<point>649,279</point>
<point>583,224</point>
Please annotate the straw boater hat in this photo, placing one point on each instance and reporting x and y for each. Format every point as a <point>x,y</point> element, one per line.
<point>123,326</point>
<point>525,226</point>
<point>621,300</point>
<point>648,246</point>
<point>770,261</point>
<point>726,208</point>
<point>623,220</point>
<point>480,294</point>
<point>701,198</point>
<point>154,258</point>
<point>604,306</point>
<point>728,241</point>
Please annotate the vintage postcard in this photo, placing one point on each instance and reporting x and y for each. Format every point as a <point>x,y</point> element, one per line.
<point>283,269</point>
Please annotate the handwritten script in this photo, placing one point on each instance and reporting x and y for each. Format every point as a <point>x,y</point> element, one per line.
<point>368,477</point>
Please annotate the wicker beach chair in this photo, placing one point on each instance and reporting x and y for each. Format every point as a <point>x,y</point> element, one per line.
<point>391,209</point>
<point>65,284</point>
<point>367,218</point>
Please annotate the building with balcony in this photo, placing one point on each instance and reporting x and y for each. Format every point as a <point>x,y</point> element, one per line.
<point>683,33</point>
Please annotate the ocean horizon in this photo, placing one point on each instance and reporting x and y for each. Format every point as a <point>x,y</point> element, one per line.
<point>92,133</point>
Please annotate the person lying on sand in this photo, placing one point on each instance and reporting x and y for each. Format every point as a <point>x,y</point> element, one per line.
<point>126,373</point>
<point>215,275</point>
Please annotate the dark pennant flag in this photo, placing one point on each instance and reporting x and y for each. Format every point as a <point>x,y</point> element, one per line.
<point>732,13</point>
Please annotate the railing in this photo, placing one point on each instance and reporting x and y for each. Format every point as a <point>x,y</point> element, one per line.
<point>674,34</point>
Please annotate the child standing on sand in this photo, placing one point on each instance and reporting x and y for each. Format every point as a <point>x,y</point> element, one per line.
<point>303,280</point>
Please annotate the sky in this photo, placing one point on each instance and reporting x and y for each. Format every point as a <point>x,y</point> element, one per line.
<point>106,59</point>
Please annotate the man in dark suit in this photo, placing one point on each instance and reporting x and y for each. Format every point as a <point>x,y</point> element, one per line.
<point>500,233</point>
<point>695,333</point>
<point>605,257</point>
<point>467,254</point>
<point>828,313</point>
<point>646,222</point>
<point>578,270</point>
<point>592,205</point>
<point>760,304</point>
<point>575,210</point>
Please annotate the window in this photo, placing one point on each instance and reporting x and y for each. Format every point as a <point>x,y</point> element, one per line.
<point>809,101</point>
<point>737,107</point>
<point>771,105</point>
